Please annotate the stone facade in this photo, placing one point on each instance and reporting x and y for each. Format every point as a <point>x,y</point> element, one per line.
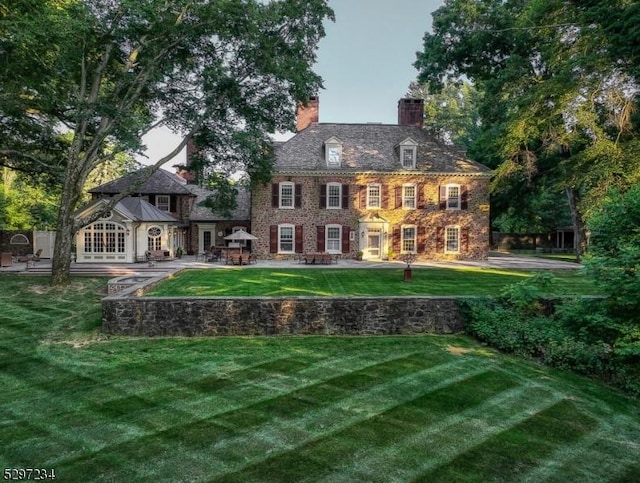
<point>260,316</point>
<point>427,216</point>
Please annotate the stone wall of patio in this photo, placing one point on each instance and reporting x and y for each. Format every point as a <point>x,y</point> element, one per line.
<point>128,314</point>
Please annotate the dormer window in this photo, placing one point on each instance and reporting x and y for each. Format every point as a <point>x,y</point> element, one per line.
<point>408,150</point>
<point>333,152</point>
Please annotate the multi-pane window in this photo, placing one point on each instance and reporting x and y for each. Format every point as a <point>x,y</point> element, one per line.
<point>333,238</point>
<point>409,196</point>
<point>154,238</point>
<point>285,239</point>
<point>286,195</point>
<point>452,239</point>
<point>374,196</point>
<point>409,158</point>
<point>453,197</point>
<point>409,239</point>
<point>333,155</point>
<point>104,237</point>
<point>162,202</point>
<point>334,195</point>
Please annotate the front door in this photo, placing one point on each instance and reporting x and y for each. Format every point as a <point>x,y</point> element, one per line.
<point>373,244</point>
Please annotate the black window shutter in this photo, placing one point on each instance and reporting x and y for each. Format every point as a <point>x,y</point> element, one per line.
<point>298,196</point>
<point>152,199</point>
<point>346,235</point>
<point>398,191</point>
<point>323,196</point>
<point>443,197</point>
<point>273,239</point>
<point>440,239</point>
<point>173,204</point>
<point>320,238</point>
<point>275,195</point>
<point>464,239</point>
<point>385,196</point>
<point>422,239</point>
<point>299,241</point>
<point>464,198</point>
<point>396,239</point>
<point>345,196</point>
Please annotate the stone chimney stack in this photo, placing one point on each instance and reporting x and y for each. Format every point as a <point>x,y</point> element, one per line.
<point>410,112</point>
<point>307,114</point>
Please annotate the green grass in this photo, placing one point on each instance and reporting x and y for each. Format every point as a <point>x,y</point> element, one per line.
<point>365,281</point>
<point>440,408</point>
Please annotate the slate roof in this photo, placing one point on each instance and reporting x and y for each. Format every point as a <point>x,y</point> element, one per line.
<point>134,208</point>
<point>371,148</point>
<point>202,213</point>
<point>161,182</point>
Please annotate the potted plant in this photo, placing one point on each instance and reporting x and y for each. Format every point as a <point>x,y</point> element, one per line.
<point>408,258</point>
<point>359,255</point>
<point>179,252</point>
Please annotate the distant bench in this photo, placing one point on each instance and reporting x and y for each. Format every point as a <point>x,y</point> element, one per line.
<point>158,255</point>
<point>318,258</point>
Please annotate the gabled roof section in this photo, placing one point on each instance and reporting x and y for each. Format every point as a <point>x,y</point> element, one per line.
<point>133,208</point>
<point>371,148</point>
<point>161,182</point>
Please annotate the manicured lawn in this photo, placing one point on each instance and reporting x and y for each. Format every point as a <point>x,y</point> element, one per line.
<point>365,281</point>
<point>97,408</point>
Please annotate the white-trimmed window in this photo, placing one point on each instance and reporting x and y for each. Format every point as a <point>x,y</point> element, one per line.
<point>452,239</point>
<point>286,241</point>
<point>333,152</point>
<point>154,238</point>
<point>104,237</point>
<point>287,193</point>
<point>334,196</point>
<point>408,240</point>
<point>408,151</point>
<point>374,196</point>
<point>453,196</point>
<point>408,154</point>
<point>333,238</point>
<point>409,196</point>
<point>163,202</point>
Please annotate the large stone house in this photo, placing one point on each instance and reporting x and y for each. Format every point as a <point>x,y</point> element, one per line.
<point>375,190</point>
<point>163,213</point>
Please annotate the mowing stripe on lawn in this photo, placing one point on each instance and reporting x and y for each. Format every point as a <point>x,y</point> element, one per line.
<point>420,455</point>
<point>585,455</point>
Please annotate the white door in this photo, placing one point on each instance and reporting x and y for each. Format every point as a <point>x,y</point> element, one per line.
<point>373,244</point>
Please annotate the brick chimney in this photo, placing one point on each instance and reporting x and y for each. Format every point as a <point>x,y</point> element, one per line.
<point>307,114</point>
<point>410,112</point>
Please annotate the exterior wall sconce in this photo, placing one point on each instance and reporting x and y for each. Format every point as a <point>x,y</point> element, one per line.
<point>128,232</point>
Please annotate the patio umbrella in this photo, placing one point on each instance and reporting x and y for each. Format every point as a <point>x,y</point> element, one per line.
<point>240,235</point>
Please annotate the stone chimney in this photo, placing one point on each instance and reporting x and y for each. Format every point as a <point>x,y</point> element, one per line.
<point>307,114</point>
<point>410,112</point>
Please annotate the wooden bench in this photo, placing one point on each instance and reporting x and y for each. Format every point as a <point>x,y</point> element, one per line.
<point>158,255</point>
<point>241,259</point>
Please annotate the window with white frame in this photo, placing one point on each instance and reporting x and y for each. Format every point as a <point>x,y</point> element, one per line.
<point>408,154</point>
<point>104,237</point>
<point>154,238</point>
<point>333,238</point>
<point>286,195</point>
<point>409,196</point>
<point>452,239</point>
<point>374,196</point>
<point>333,151</point>
<point>163,202</point>
<point>409,239</point>
<point>334,195</point>
<point>453,197</point>
<point>286,238</point>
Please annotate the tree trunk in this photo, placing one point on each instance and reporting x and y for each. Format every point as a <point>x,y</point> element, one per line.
<point>579,235</point>
<point>65,229</point>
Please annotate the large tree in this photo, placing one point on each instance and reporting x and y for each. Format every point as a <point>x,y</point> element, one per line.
<point>557,106</point>
<point>107,72</point>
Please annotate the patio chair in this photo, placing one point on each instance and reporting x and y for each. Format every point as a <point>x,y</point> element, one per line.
<point>33,257</point>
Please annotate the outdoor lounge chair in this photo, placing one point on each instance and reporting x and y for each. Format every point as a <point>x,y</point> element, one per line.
<point>33,257</point>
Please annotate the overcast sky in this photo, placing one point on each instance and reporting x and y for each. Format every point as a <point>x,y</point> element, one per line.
<point>365,60</point>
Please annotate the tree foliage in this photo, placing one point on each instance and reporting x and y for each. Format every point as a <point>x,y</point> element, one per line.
<point>558,98</point>
<point>227,72</point>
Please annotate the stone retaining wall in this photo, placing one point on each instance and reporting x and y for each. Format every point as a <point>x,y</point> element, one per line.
<point>127,314</point>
